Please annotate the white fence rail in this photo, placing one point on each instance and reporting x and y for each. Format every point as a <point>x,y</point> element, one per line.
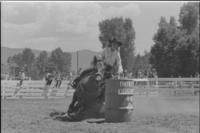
<point>34,90</point>
<point>143,87</point>
<point>168,86</point>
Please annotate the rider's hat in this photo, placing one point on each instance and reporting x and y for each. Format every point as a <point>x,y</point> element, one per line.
<point>115,41</point>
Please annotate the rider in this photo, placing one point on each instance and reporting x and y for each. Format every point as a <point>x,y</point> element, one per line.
<point>112,63</point>
<point>111,57</point>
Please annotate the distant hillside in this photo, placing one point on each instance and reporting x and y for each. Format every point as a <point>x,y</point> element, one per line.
<point>85,56</point>
<point>6,52</point>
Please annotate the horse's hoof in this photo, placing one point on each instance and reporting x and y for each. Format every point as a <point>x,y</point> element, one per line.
<point>64,117</point>
<point>53,114</point>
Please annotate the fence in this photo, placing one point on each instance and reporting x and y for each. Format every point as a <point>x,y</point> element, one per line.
<point>167,86</point>
<point>176,86</point>
<point>33,90</point>
<point>142,87</point>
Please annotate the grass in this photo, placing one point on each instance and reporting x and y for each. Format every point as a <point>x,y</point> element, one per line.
<point>151,115</point>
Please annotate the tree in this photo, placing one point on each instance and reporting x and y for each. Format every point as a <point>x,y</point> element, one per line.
<point>176,49</point>
<point>189,16</point>
<point>188,48</point>
<point>163,57</point>
<point>187,52</point>
<point>12,66</point>
<point>124,32</point>
<point>35,72</point>
<point>127,50</point>
<point>28,58</point>
<point>111,28</point>
<point>41,63</point>
<point>62,60</point>
<point>17,59</point>
<point>141,63</point>
<point>66,63</point>
<point>57,58</point>
<point>15,63</point>
<point>50,67</point>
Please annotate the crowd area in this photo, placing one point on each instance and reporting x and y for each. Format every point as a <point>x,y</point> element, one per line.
<point>57,77</point>
<point>50,77</point>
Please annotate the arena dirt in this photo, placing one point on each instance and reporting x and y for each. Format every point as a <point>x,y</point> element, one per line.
<point>151,115</point>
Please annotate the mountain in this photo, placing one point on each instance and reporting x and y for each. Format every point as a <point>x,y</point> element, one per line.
<point>84,56</point>
<point>84,59</point>
<point>6,52</point>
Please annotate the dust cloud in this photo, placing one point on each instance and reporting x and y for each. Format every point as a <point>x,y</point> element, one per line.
<point>162,104</point>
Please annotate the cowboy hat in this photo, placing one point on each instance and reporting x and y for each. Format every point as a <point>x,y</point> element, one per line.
<point>114,40</point>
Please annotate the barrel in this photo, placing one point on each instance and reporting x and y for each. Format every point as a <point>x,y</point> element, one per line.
<point>119,100</point>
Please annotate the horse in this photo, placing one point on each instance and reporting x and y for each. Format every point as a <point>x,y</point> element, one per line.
<point>88,92</point>
<point>88,99</point>
<point>89,102</point>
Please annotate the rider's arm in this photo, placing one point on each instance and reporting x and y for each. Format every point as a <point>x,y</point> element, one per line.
<point>119,63</point>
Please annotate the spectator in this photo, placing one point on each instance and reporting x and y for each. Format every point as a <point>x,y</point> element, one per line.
<point>140,74</point>
<point>197,74</point>
<point>22,77</point>
<point>125,73</point>
<point>130,75</point>
<point>154,73</point>
<point>49,78</point>
<point>58,80</point>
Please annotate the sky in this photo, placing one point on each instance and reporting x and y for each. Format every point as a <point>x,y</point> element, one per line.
<point>73,26</point>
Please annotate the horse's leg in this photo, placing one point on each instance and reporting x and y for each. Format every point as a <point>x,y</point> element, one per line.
<point>71,106</point>
<point>101,96</point>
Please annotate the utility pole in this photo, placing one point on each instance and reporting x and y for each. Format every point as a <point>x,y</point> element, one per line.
<point>77,61</point>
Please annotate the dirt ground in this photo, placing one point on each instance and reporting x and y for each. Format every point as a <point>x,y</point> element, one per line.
<point>151,115</point>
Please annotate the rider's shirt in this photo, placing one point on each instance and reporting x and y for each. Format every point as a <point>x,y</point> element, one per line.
<point>112,58</point>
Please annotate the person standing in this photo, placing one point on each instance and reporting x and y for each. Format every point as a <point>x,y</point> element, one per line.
<point>58,79</point>
<point>22,77</point>
<point>49,78</point>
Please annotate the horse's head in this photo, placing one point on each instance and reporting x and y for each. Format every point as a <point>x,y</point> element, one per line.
<point>97,63</point>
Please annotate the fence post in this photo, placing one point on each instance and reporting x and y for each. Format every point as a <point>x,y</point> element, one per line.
<point>148,87</point>
<point>193,88</point>
<point>3,93</point>
<point>176,86</point>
